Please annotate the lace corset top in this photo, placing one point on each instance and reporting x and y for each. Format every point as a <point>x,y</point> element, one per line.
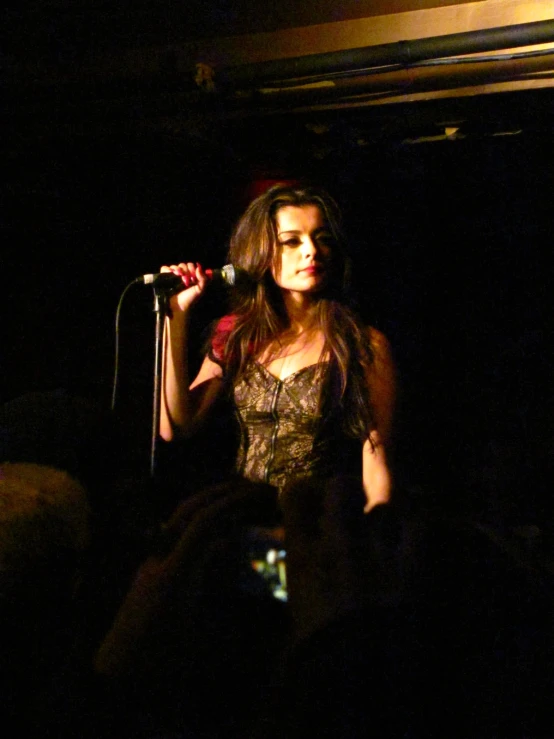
<point>279,420</point>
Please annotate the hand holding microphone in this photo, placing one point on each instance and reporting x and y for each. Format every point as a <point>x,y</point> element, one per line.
<point>186,281</point>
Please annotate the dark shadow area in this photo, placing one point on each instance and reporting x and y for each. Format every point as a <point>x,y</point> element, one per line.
<point>430,614</point>
<point>450,246</point>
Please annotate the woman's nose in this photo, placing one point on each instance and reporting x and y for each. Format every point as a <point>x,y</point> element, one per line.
<point>309,247</point>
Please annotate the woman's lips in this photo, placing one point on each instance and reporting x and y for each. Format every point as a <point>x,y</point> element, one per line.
<point>313,269</point>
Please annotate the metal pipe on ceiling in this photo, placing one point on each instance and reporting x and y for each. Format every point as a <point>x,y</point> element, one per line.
<point>398,53</point>
<point>405,80</point>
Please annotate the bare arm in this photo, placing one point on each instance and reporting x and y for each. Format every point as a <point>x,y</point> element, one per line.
<point>184,405</point>
<point>376,474</point>
<point>382,386</point>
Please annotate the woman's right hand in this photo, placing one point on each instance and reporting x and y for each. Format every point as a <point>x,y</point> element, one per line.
<point>194,280</point>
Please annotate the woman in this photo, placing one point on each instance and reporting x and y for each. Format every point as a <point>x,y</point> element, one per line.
<point>313,387</point>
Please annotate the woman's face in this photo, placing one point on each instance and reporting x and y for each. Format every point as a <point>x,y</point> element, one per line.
<point>303,258</point>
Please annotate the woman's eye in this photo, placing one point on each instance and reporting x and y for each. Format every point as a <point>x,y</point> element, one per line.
<point>290,242</point>
<point>325,240</point>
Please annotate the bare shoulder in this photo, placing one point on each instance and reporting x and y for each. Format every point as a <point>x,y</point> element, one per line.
<point>209,370</point>
<point>376,337</point>
<point>380,345</point>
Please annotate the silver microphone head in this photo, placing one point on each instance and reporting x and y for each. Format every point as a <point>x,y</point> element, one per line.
<point>228,274</point>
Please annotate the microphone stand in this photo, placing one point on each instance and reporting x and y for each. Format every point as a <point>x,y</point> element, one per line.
<point>161,308</point>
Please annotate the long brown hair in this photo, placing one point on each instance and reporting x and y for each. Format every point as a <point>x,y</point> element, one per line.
<point>260,315</point>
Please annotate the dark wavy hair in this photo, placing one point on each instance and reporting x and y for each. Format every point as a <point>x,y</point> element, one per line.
<point>260,315</point>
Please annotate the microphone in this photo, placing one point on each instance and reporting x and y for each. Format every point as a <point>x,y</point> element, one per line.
<point>228,275</point>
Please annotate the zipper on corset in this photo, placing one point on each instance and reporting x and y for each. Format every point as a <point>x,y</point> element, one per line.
<point>278,386</point>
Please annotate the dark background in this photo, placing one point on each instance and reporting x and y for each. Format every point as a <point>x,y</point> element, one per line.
<point>451,238</point>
